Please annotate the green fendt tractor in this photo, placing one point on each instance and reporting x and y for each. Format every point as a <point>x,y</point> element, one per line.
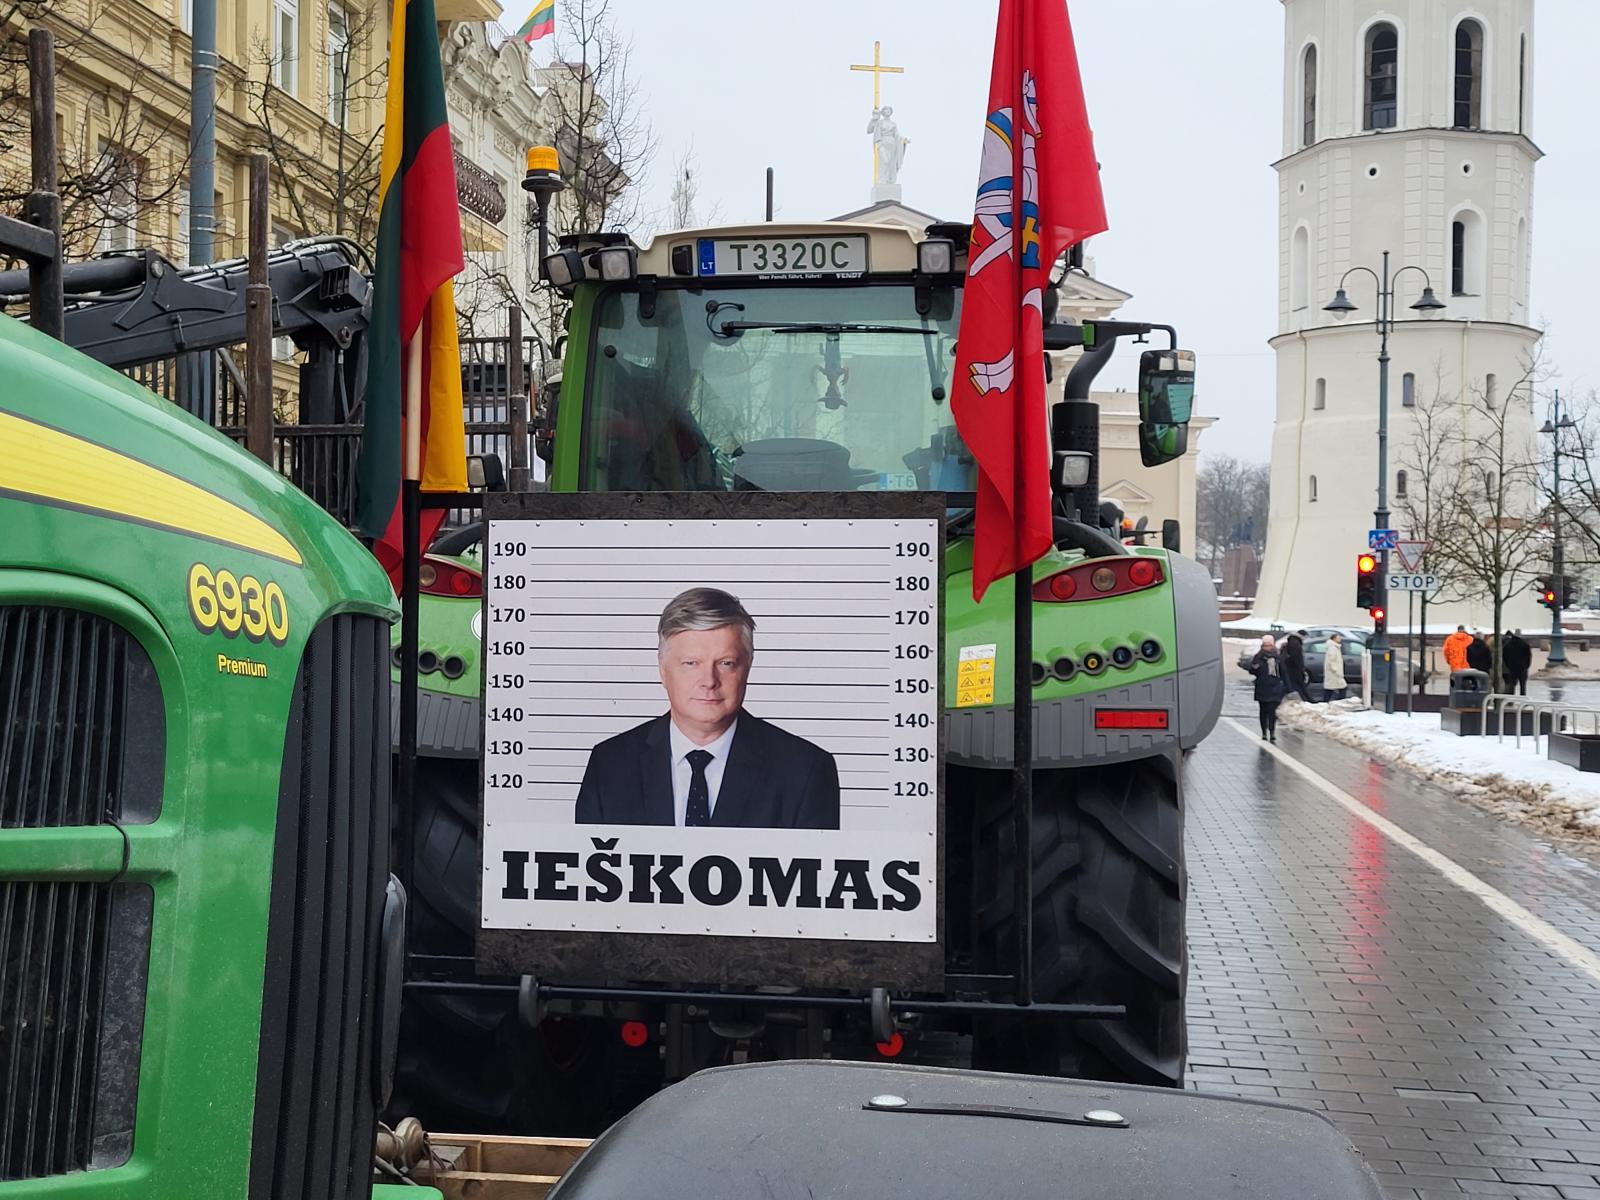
<point>818,358</point>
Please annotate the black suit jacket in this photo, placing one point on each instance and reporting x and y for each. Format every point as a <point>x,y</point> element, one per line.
<point>772,780</point>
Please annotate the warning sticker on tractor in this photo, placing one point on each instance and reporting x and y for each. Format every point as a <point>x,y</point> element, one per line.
<point>975,676</point>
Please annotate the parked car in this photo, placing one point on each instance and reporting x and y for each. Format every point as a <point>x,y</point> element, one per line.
<point>1316,643</point>
<point>1355,646</point>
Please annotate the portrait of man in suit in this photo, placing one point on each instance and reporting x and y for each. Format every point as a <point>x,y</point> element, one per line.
<point>707,760</point>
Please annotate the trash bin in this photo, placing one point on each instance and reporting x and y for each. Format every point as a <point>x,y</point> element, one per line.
<point>1468,688</point>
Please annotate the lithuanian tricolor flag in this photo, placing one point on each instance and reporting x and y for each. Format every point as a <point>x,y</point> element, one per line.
<point>413,402</point>
<point>541,21</point>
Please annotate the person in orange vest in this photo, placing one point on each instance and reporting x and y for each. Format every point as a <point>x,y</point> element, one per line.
<point>1455,648</point>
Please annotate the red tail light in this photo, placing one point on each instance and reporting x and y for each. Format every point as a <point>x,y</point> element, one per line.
<point>892,1048</point>
<point>1062,586</point>
<point>635,1033</point>
<point>441,577</point>
<point>1099,579</point>
<point>1130,718</point>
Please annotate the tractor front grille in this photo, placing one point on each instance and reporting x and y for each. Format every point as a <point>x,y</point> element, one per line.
<point>74,959</point>
<point>316,1082</point>
<point>82,738</point>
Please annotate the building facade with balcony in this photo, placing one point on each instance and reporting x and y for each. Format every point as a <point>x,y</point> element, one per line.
<point>302,81</point>
<point>496,112</point>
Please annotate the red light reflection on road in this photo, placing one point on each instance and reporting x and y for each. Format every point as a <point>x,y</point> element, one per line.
<point>1367,907</point>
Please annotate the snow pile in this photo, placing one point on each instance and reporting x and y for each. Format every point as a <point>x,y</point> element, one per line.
<point>1510,780</point>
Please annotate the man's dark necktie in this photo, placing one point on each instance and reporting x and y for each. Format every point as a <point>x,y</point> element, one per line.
<point>699,811</point>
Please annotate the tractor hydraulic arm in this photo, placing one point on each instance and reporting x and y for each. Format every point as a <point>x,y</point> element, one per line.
<point>137,308</point>
<point>126,310</point>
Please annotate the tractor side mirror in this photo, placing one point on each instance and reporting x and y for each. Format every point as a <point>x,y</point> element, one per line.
<point>1172,536</point>
<point>1166,403</point>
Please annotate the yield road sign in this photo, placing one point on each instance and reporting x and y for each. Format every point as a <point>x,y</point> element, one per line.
<point>1411,553</point>
<point>1413,583</point>
<point>1382,539</point>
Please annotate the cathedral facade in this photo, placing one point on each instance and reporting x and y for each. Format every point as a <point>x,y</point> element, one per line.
<point>1407,129</point>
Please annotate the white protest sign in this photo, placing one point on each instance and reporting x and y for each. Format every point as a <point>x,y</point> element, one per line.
<point>823,802</point>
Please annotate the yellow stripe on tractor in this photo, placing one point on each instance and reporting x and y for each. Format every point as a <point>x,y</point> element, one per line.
<point>52,467</point>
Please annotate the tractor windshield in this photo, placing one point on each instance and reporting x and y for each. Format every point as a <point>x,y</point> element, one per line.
<point>793,388</point>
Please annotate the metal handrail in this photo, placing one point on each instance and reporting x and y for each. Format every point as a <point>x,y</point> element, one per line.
<point>1503,705</point>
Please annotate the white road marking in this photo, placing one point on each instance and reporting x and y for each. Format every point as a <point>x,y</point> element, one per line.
<point>1493,898</point>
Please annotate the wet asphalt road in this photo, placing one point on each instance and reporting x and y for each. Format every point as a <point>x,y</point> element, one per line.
<point>1334,968</point>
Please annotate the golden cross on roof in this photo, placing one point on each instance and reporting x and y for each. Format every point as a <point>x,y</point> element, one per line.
<point>878,72</point>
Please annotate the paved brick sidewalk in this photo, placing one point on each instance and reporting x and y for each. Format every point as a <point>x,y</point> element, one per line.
<point>1332,968</point>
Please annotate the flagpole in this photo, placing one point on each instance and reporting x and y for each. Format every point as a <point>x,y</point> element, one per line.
<point>410,587</point>
<point>1022,776</point>
<point>1022,632</point>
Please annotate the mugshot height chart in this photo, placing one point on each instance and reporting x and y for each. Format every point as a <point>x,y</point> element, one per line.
<point>846,656</point>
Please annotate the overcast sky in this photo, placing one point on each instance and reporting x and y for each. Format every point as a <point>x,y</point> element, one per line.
<point>1186,108</point>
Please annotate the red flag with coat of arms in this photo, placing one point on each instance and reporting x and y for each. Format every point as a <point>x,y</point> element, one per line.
<point>1038,195</point>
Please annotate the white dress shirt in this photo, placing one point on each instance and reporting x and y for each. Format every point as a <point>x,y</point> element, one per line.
<point>682,772</point>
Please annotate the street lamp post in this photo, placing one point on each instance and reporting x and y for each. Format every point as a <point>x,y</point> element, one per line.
<point>1558,641</point>
<point>1341,306</point>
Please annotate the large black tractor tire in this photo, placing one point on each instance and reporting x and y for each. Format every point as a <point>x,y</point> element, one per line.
<point>1109,890</point>
<point>467,1061</point>
<point>456,1062</point>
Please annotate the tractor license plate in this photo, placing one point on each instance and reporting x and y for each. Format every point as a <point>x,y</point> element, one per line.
<point>798,256</point>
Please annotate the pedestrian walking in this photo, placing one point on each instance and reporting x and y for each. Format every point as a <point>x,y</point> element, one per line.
<point>1455,649</point>
<point>1271,686</point>
<point>1479,656</point>
<point>1294,664</point>
<point>1334,686</point>
<point>1516,657</point>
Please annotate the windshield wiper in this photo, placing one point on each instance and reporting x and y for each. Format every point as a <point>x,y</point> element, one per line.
<point>735,328</point>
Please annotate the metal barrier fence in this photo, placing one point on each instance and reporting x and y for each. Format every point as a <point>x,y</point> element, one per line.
<point>321,459</point>
<point>486,377</point>
<point>219,402</point>
<point>1564,718</point>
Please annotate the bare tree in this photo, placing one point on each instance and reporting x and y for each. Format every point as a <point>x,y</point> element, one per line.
<point>111,175</point>
<point>1231,500</point>
<point>684,208</point>
<point>1579,496</point>
<point>597,116</point>
<point>1491,537</point>
<point>483,292</point>
<point>1427,467</point>
<point>685,194</point>
<point>328,175</point>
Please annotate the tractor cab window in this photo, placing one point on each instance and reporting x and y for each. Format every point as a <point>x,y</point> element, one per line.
<point>790,388</point>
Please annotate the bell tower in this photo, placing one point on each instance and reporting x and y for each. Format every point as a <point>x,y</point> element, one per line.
<point>1407,128</point>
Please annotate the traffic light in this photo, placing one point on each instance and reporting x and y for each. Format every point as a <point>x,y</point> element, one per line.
<point>1546,586</point>
<point>1380,619</point>
<point>1366,580</point>
<point>1569,592</point>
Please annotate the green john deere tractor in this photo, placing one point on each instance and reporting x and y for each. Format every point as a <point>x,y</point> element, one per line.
<point>817,357</point>
<point>200,943</point>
